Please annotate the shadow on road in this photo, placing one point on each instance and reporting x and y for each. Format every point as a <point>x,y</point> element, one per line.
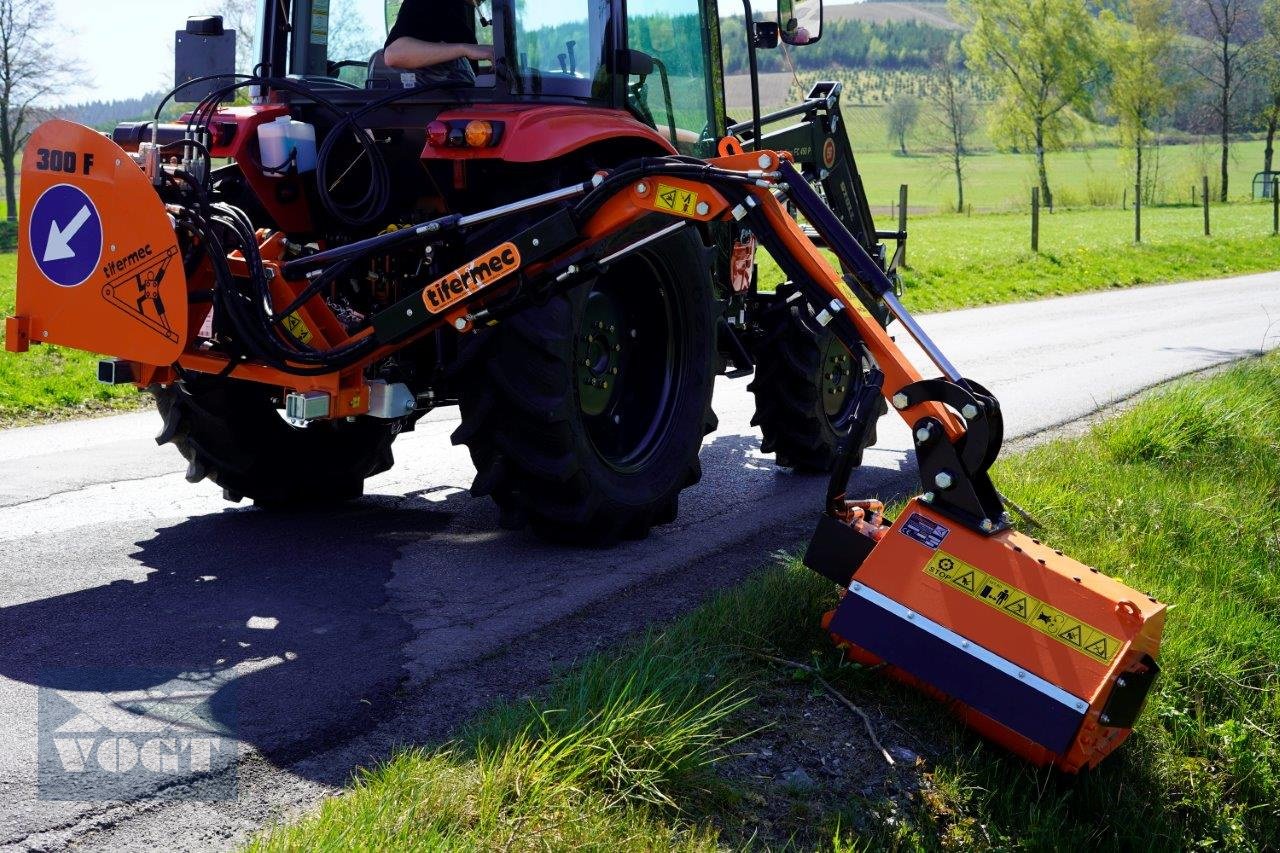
<point>294,601</point>
<point>294,607</point>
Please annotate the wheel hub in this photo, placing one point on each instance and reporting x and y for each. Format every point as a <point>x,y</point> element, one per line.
<point>837,376</point>
<point>601,344</point>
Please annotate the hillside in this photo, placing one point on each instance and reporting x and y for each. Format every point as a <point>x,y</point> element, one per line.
<point>926,14</point>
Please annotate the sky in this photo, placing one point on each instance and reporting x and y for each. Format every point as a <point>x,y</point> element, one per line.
<point>126,46</point>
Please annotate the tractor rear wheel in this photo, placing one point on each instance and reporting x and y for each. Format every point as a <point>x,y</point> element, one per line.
<point>806,387</point>
<point>584,416</point>
<point>232,434</point>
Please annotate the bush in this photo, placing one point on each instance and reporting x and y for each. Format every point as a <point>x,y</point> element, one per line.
<point>8,235</point>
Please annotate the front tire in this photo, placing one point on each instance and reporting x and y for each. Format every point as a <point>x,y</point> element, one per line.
<point>232,434</point>
<point>584,416</point>
<point>806,387</point>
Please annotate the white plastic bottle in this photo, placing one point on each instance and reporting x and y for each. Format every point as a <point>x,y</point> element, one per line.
<point>286,143</point>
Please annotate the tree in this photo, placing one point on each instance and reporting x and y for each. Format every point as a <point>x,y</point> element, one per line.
<point>1138,53</point>
<point>901,116</point>
<point>32,69</point>
<point>953,115</point>
<point>1041,57</point>
<point>1267,53</point>
<point>242,16</point>
<point>1227,27</point>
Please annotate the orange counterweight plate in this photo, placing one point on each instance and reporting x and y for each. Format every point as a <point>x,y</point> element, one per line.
<point>99,267</point>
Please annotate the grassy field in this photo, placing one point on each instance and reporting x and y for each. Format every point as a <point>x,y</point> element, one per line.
<point>1003,181</point>
<point>959,261</point>
<point>49,381</point>
<point>646,748</point>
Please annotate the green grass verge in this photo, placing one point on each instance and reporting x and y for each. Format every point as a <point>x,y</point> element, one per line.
<point>1179,496</point>
<point>959,262</point>
<point>49,380</point>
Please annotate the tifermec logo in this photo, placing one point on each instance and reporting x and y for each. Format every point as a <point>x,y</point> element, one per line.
<point>130,734</point>
<point>477,275</point>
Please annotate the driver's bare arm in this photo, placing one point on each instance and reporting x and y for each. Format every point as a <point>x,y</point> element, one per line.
<point>412,54</point>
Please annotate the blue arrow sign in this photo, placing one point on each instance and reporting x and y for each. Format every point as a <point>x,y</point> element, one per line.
<point>66,235</point>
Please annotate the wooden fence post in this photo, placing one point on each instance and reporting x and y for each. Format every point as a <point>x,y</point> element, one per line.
<point>1204,193</point>
<point>1137,213</point>
<point>902,221</point>
<point>1275,206</point>
<point>1035,219</point>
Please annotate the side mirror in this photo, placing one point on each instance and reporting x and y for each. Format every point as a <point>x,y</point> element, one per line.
<point>800,21</point>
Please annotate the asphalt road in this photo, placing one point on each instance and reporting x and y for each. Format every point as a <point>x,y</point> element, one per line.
<point>323,641</point>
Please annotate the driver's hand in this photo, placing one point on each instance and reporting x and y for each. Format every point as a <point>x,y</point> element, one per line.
<point>480,52</point>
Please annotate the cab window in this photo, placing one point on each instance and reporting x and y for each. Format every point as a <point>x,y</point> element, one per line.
<point>675,98</point>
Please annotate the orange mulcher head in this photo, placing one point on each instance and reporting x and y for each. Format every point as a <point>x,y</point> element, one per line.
<point>1044,655</point>
<point>1038,652</point>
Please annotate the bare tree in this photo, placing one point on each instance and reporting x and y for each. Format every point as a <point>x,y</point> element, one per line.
<point>953,115</point>
<point>242,16</point>
<point>1268,57</point>
<point>1228,27</point>
<point>31,70</point>
<point>901,116</point>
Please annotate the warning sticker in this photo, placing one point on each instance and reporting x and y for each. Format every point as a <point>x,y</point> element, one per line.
<point>137,292</point>
<point>676,200</point>
<point>928,533</point>
<point>298,329</point>
<point>1024,607</point>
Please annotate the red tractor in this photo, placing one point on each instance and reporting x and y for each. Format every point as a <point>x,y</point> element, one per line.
<point>563,245</point>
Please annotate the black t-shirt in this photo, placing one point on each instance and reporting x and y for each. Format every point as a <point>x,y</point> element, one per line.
<point>441,21</point>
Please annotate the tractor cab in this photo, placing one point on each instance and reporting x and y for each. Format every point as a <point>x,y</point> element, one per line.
<point>659,61</point>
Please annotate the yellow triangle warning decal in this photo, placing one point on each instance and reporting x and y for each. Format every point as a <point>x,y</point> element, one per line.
<point>1030,611</point>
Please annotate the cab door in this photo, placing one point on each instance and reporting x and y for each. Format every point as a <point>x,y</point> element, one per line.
<point>682,99</point>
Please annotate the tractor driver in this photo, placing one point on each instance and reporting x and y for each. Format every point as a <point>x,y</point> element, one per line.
<point>437,39</point>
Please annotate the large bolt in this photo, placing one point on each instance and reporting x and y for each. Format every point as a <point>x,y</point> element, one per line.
<point>703,208</point>
<point>900,402</point>
<point>987,525</point>
<point>642,188</point>
<point>927,497</point>
<point>943,480</point>
<point>923,435</point>
<point>970,411</point>
<point>460,324</point>
<point>765,161</point>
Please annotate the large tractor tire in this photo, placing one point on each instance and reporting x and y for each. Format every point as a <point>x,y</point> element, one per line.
<point>584,416</point>
<point>805,387</point>
<point>232,434</point>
